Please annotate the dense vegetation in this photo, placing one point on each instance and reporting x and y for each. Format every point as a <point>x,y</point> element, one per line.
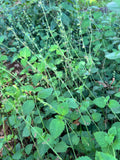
<point>59,80</point>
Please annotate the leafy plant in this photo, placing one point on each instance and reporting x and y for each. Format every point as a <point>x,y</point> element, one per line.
<point>59,84</point>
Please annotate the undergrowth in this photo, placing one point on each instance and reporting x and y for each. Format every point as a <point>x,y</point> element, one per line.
<point>60,81</point>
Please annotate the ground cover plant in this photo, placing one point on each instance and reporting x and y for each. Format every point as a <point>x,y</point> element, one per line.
<point>59,83</point>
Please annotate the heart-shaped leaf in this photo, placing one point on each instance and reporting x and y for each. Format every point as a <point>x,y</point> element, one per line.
<point>25,52</point>
<point>44,93</point>
<point>56,127</point>
<point>28,107</point>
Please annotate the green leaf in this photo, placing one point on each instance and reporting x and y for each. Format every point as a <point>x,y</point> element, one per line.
<point>117,94</point>
<point>114,106</point>
<point>8,106</point>
<point>73,115</point>
<point>2,38</point>
<point>44,93</point>
<point>37,132</point>
<point>116,144</point>
<point>28,107</point>
<point>119,47</point>
<point>37,120</point>
<point>100,102</point>
<point>42,149</point>
<point>65,19</point>
<point>109,139</point>
<point>13,49</point>
<point>109,33</point>
<point>1,145</point>
<point>59,74</point>
<point>96,116</point>
<point>75,139</point>
<point>114,6</point>
<point>67,6</point>
<point>85,24</point>
<point>3,58</point>
<point>63,108</point>
<point>112,131</point>
<point>103,156</point>
<point>41,67</point>
<point>53,24</point>
<point>17,155</point>
<point>10,90</point>
<point>80,66</point>
<point>84,106</point>
<point>71,103</point>
<point>61,147</point>
<point>56,127</point>
<point>28,148</point>
<point>25,52</point>
<point>28,121</point>
<point>26,132</point>
<point>111,116</point>
<point>12,119</point>
<point>85,120</point>
<point>60,52</point>
<point>53,48</point>
<point>33,59</point>
<point>49,139</point>
<point>83,158</point>
<point>17,147</point>
<point>23,62</point>
<point>87,141</point>
<point>111,135</point>
<point>114,55</point>
<point>100,138</point>
<point>27,88</point>
<point>36,78</point>
<point>94,70</point>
